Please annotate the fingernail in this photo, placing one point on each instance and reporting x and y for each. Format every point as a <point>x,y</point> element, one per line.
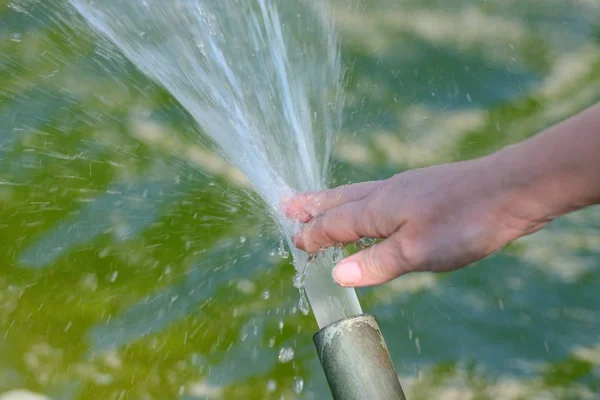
<point>347,273</point>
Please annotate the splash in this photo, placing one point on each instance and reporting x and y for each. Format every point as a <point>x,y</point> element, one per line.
<point>263,80</point>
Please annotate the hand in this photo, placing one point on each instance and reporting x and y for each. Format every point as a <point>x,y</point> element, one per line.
<point>434,219</point>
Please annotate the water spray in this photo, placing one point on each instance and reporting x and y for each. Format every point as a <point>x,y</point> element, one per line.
<point>268,92</point>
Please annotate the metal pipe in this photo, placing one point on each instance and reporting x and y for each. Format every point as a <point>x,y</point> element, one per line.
<point>356,360</point>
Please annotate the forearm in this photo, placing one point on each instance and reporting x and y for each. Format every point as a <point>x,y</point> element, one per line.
<point>556,171</point>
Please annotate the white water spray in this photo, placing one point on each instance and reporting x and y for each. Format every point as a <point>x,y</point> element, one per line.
<point>263,80</point>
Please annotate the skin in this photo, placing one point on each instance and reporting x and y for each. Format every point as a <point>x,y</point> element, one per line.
<point>445,217</point>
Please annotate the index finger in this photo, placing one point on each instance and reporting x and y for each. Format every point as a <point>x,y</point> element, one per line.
<point>304,207</point>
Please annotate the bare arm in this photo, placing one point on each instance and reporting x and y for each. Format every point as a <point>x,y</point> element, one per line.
<point>557,171</point>
<point>445,217</point>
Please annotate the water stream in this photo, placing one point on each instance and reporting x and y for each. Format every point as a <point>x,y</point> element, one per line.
<point>263,80</point>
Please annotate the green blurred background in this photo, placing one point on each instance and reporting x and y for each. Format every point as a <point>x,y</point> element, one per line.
<point>136,264</point>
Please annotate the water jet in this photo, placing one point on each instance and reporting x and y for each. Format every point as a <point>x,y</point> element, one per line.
<point>263,79</point>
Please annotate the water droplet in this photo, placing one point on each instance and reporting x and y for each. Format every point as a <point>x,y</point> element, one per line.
<point>271,386</point>
<point>114,276</point>
<point>89,282</point>
<point>298,281</point>
<point>337,256</point>
<point>300,277</point>
<point>298,384</point>
<point>303,305</point>
<point>104,252</point>
<point>243,239</point>
<point>266,295</point>
<point>200,46</point>
<point>286,354</point>
<point>312,258</point>
<point>283,253</point>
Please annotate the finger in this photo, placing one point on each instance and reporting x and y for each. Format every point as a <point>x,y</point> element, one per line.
<point>303,207</point>
<point>376,265</point>
<point>299,241</point>
<point>344,224</point>
<point>294,208</point>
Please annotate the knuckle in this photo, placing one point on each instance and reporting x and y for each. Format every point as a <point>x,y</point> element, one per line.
<point>316,229</point>
<point>333,196</point>
<point>310,236</point>
<point>366,221</point>
<point>318,233</point>
<point>376,262</point>
<point>372,221</point>
<point>411,253</point>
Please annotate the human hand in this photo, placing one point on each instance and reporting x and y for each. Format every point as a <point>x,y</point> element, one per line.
<point>433,219</point>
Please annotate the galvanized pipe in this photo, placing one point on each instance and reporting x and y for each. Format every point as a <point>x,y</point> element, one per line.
<point>356,360</point>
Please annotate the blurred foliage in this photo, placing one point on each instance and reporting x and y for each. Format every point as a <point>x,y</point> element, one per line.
<point>135,265</point>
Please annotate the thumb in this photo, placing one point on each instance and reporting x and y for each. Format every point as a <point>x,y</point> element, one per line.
<point>376,265</point>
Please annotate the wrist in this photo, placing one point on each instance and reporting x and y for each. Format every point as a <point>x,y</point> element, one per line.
<point>519,193</point>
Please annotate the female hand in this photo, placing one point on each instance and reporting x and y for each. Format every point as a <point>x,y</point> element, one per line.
<point>445,217</point>
<point>434,219</point>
